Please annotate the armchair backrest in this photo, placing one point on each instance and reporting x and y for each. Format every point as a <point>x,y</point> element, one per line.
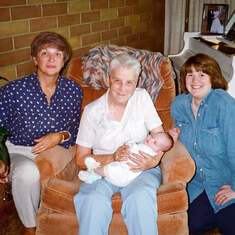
<point>162,104</point>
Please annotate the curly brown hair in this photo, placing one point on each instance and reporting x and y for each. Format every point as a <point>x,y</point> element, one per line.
<point>46,39</point>
<point>206,64</point>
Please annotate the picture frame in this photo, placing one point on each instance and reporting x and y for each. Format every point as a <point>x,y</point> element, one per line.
<point>214,18</point>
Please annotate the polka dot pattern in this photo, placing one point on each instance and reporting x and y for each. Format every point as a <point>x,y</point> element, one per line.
<point>26,114</point>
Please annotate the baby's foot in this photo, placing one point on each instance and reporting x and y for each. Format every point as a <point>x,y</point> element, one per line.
<point>91,163</point>
<point>88,177</point>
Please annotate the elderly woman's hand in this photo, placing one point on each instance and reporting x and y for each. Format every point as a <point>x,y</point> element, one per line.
<point>122,153</point>
<point>144,161</point>
<point>46,142</point>
<point>224,195</point>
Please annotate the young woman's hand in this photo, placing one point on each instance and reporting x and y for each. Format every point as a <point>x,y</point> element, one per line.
<point>174,132</point>
<point>224,195</point>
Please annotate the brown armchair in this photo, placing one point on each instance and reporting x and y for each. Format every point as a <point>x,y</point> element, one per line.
<point>59,181</point>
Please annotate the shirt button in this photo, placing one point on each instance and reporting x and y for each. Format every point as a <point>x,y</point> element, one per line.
<point>198,155</point>
<point>195,143</point>
<point>201,103</point>
<point>199,115</point>
<point>200,169</point>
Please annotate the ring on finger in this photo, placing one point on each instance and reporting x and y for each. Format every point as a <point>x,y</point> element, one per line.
<point>42,146</point>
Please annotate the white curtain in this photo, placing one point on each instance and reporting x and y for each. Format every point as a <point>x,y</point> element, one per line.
<point>175,19</point>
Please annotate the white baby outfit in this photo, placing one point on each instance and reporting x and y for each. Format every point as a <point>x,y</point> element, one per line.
<point>119,173</point>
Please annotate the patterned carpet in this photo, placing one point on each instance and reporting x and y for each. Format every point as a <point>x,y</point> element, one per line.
<point>211,232</point>
<point>10,223</point>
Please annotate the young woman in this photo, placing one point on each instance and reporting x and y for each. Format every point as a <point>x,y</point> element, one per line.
<point>205,116</point>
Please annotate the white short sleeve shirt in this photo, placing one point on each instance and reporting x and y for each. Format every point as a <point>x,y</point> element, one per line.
<point>104,136</point>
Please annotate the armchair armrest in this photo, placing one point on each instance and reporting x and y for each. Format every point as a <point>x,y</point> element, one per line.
<point>52,161</point>
<point>177,165</point>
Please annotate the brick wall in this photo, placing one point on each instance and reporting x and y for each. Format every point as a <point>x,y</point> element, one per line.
<point>85,23</point>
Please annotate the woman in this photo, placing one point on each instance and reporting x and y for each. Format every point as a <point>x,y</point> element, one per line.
<point>205,115</point>
<point>123,113</point>
<point>40,111</point>
<point>3,172</point>
<point>216,26</point>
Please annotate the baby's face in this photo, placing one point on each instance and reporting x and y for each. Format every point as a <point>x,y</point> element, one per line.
<point>153,142</point>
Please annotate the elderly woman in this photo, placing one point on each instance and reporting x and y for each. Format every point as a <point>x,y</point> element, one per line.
<point>40,111</point>
<point>123,113</point>
<point>205,115</point>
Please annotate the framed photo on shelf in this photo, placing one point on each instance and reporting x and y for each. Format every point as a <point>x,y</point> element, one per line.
<point>214,18</point>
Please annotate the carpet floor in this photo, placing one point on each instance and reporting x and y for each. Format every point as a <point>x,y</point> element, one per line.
<point>11,225</point>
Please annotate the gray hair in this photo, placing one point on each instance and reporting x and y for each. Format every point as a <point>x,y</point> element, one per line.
<point>126,61</point>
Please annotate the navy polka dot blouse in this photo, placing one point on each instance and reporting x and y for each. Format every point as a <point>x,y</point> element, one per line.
<point>26,114</point>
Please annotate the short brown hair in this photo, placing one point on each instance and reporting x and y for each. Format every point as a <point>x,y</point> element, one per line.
<point>51,39</point>
<point>206,64</point>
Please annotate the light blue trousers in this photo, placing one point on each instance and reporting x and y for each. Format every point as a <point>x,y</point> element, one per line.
<point>139,209</point>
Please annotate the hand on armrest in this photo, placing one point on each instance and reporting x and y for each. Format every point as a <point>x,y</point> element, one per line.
<point>53,161</point>
<point>177,165</point>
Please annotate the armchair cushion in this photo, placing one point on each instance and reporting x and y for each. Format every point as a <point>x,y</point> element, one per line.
<point>55,160</point>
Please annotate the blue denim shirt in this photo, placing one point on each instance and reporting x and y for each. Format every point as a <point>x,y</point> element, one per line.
<point>210,140</point>
<point>26,114</point>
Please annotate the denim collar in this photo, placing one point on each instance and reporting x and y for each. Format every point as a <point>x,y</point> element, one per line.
<point>188,101</point>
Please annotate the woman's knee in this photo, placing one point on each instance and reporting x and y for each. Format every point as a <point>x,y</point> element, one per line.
<point>93,196</point>
<point>95,199</point>
<point>26,172</point>
<point>141,199</point>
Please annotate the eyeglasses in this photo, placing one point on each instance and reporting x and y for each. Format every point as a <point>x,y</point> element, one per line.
<point>7,196</point>
<point>7,186</point>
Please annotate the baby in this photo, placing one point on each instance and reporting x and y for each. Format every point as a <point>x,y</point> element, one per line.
<point>118,172</point>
